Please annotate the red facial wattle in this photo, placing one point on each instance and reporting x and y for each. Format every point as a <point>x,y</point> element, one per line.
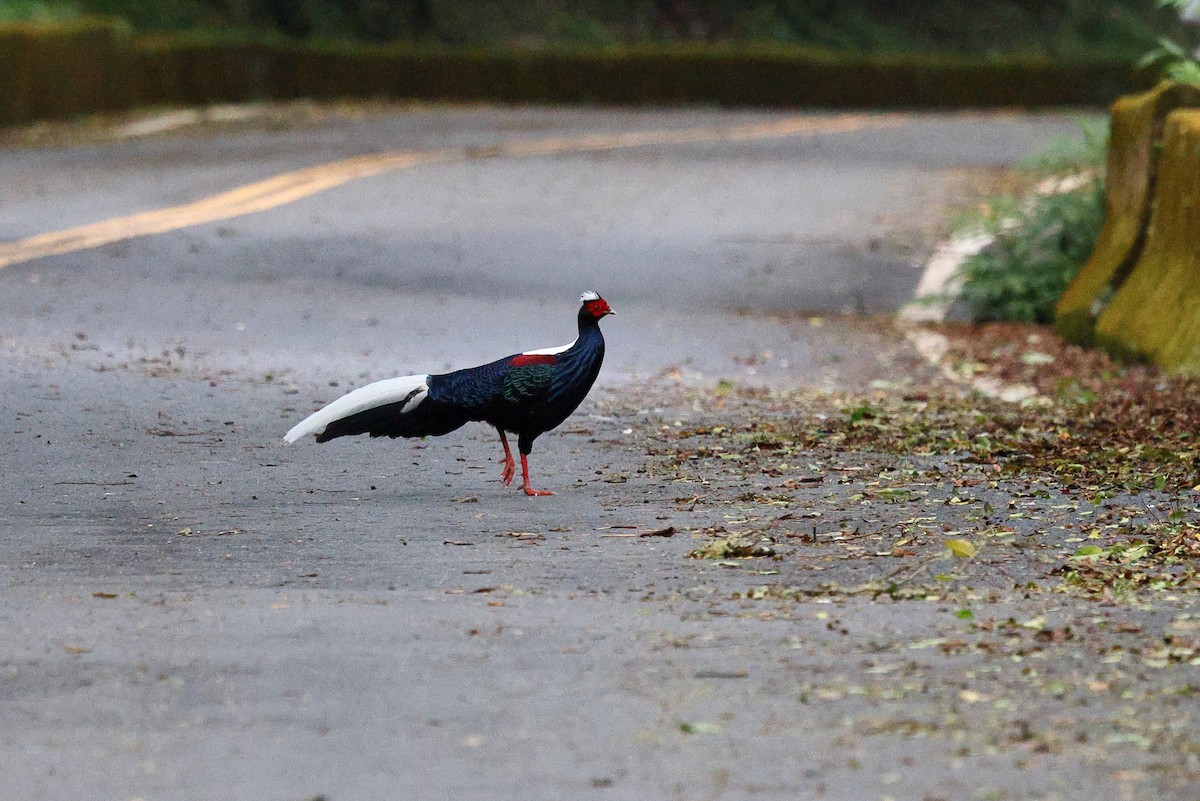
<point>598,308</point>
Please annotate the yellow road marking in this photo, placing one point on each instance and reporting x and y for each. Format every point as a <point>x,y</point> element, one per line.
<point>292,186</point>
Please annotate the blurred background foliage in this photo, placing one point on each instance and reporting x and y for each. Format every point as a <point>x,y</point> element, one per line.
<point>1039,27</point>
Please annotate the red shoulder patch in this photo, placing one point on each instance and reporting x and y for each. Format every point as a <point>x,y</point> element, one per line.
<point>526,359</point>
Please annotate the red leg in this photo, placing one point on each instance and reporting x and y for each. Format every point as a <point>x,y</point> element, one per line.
<point>510,467</point>
<point>525,475</point>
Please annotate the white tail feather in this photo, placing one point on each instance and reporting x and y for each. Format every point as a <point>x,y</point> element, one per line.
<point>380,393</point>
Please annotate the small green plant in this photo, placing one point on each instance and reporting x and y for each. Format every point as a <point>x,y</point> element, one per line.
<point>1041,241</point>
<point>1174,61</point>
<point>859,414</point>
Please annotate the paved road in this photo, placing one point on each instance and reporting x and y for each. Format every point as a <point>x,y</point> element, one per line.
<point>191,610</point>
<point>396,271</point>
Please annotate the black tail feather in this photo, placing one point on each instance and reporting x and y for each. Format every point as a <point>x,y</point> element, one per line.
<point>428,419</point>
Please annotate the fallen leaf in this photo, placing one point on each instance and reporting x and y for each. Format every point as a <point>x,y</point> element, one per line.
<point>734,547</point>
<point>961,548</point>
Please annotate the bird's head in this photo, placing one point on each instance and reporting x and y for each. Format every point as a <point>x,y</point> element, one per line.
<point>594,306</point>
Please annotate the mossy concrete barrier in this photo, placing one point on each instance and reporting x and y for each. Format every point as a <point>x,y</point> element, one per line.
<point>201,70</point>
<point>1155,314</point>
<point>1136,134</point>
<point>96,65</point>
<point>52,72</point>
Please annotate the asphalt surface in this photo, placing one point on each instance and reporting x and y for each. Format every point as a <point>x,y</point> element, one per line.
<point>192,610</point>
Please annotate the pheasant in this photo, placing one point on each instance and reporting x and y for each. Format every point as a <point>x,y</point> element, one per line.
<point>526,394</point>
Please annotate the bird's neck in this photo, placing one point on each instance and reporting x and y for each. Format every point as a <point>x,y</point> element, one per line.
<point>589,338</point>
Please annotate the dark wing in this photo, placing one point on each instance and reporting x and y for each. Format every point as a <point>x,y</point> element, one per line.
<point>509,392</point>
<point>476,391</point>
<point>527,383</point>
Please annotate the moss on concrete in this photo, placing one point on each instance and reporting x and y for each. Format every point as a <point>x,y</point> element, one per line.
<point>755,76</point>
<point>61,71</point>
<point>1137,124</point>
<point>1156,312</point>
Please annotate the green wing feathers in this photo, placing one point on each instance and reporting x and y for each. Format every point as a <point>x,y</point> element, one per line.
<point>527,382</point>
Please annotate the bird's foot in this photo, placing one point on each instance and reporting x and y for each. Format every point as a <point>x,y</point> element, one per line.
<point>525,485</point>
<point>510,470</point>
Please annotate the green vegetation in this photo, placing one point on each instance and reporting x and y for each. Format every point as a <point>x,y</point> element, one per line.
<point>1040,240</point>
<point>1176,60</point>
<point>1051,28</point>
<point>1176,64</point>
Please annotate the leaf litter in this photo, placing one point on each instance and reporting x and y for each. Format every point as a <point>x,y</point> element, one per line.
<point>1107,451</point>
<point>1055,540</point>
